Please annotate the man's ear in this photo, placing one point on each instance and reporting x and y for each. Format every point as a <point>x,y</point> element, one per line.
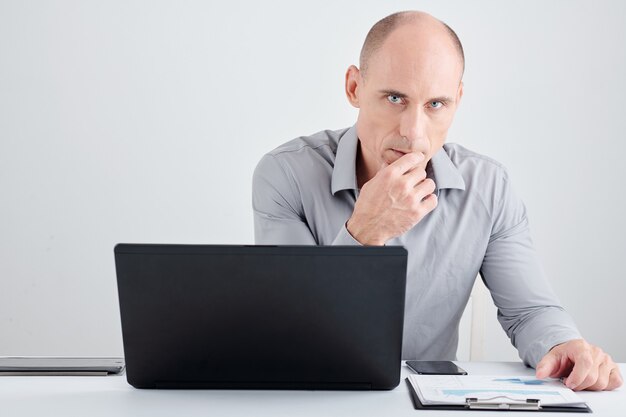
<point>353,78</point>
<point>459,93</point>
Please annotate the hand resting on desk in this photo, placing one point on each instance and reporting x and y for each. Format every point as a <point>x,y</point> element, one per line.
<point>582,365</point>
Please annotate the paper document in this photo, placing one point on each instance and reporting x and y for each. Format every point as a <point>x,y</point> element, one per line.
<point>456,389</point>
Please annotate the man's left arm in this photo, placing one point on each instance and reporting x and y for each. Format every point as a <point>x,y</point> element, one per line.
<point>528,310</point>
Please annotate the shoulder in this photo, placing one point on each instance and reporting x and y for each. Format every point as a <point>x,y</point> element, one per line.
<point>302,156</point>
<point>489,180</point>
<point>467,160</point>
<point>301,165</point>
<point>475,168</point>
<point>484,177</point>
<point>322,143</point>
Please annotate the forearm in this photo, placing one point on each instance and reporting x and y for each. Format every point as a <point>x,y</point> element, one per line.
<point>534,331</point>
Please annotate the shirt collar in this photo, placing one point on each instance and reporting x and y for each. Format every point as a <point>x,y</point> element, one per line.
<point>443,171</point>
<point>344,172</point>
<point>440,167</point>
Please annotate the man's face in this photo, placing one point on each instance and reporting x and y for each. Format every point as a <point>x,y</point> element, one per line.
<point>408,97</point>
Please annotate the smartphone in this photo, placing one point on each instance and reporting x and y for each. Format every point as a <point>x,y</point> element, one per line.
<point>436,368</point>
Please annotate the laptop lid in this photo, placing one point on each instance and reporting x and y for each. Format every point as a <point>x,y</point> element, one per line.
<point>287,317</point>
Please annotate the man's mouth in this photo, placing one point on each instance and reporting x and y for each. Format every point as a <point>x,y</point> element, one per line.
<point>399,153</point>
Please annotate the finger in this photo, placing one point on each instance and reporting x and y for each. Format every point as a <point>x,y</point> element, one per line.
<point>415,176</point>
<point>583,364</point>
<point>562,367</point>
<point>615,378</point>
<point>598,376</point>
<point>406,162</point>
<point>547,366</point>
<point>428,204</point>
<point>424,189</point>
<point>565,368</point>
<point>602,380</point>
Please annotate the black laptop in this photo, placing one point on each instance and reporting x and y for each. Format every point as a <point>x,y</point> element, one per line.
<point>275,317</point>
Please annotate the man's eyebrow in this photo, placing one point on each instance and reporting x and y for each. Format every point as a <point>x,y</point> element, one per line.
<point>402,95</point>
<point>443,98</point>
<point>393,93</point>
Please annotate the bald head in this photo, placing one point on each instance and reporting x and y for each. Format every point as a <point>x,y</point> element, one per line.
<point>383,28</point>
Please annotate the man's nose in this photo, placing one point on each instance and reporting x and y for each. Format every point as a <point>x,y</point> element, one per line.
<point>413,127</point>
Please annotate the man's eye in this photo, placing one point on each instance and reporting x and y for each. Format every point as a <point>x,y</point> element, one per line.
<point>435,104</point>
<point>394,99</point>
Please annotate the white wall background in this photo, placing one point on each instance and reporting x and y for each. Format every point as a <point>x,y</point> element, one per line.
<point>142,121</point>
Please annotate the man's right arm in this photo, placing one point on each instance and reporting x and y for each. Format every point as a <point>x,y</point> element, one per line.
<point>397,198</point>
<point>392,202</point>
<point>277,207</point>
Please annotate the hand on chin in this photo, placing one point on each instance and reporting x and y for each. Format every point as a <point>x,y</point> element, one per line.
<point>392,155</point>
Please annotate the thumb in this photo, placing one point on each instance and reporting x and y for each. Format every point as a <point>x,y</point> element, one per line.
<point>547,366</point>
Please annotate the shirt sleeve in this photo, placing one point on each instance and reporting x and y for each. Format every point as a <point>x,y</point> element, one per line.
<point>528,310</point>
<point>277,208</point>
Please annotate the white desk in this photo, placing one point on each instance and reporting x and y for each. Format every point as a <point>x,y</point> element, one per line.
<point>112,396</point>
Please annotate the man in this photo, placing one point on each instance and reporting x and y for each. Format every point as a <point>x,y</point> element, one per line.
<point>390,179</point>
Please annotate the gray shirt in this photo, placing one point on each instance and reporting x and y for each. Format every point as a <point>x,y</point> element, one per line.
<point>304,192</point>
